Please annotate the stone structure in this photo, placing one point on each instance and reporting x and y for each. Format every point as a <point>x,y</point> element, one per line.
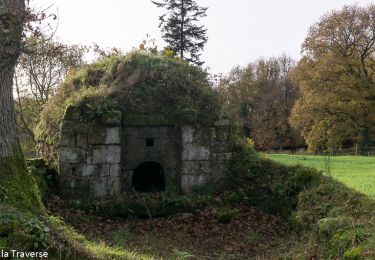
<point>105,158</point>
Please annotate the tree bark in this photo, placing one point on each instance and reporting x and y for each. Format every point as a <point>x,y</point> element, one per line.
<point>11,25</point>
<point>16,184</point>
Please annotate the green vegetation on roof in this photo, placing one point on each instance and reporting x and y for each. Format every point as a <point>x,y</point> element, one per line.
<point>137,83</point>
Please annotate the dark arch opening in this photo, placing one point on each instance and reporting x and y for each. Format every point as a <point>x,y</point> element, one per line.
<point>149,177</point>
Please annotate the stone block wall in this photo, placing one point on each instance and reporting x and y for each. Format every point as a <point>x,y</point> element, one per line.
<point>205,153</point>
<point>98,159</point>
<point>90,157</point>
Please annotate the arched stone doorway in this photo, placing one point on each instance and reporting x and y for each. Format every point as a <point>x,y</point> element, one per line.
<point>149,177</point>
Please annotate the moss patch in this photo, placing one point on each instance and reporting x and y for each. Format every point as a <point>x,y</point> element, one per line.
<point>17,186</point>
<point>44,176</point>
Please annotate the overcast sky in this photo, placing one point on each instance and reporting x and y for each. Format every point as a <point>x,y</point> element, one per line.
<point>239,31</point>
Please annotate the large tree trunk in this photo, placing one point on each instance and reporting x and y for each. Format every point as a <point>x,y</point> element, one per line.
<point>17,187</point>
<point>11,24</point>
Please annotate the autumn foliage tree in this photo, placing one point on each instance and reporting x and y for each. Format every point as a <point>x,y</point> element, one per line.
<point>260,97</point>
<point>336,79</point>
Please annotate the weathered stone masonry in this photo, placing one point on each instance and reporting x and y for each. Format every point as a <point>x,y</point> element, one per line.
<point>90,157</point>
<point>205,152</point>
<point>98,159</point>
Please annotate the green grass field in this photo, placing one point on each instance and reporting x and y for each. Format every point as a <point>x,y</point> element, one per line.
<point>358,172</point>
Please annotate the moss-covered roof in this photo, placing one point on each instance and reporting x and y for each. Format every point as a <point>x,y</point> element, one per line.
<point>136,83</point>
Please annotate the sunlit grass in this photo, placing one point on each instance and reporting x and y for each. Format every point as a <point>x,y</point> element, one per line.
<point>358,172</point>
<point>93,250</point>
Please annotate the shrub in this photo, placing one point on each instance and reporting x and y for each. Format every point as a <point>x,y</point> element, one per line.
<point>39,233</point>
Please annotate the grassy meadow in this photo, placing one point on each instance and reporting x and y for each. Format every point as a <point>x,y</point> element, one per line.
<point>358,172</point>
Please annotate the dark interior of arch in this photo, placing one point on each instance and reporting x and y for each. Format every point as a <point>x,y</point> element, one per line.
<point>149,177</point>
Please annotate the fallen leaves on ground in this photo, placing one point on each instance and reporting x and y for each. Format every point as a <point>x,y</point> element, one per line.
<point>249,234</point>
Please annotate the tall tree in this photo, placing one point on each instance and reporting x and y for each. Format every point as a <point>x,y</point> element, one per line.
<point>16,185</point>
<point>239,92</point>
<point>260,97</point>
<point>336,77</point>
<point>274,102</point>
<point>180,28</point>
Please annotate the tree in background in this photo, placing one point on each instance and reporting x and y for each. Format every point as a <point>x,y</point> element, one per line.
<point>260,97</point>
<point>239,94</point>
<point>41,67</point>
<point>336,79</point>
<point>275,99</point>
<point>180,29</point>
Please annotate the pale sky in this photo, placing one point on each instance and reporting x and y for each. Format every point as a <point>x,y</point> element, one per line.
<point>239,31</point>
